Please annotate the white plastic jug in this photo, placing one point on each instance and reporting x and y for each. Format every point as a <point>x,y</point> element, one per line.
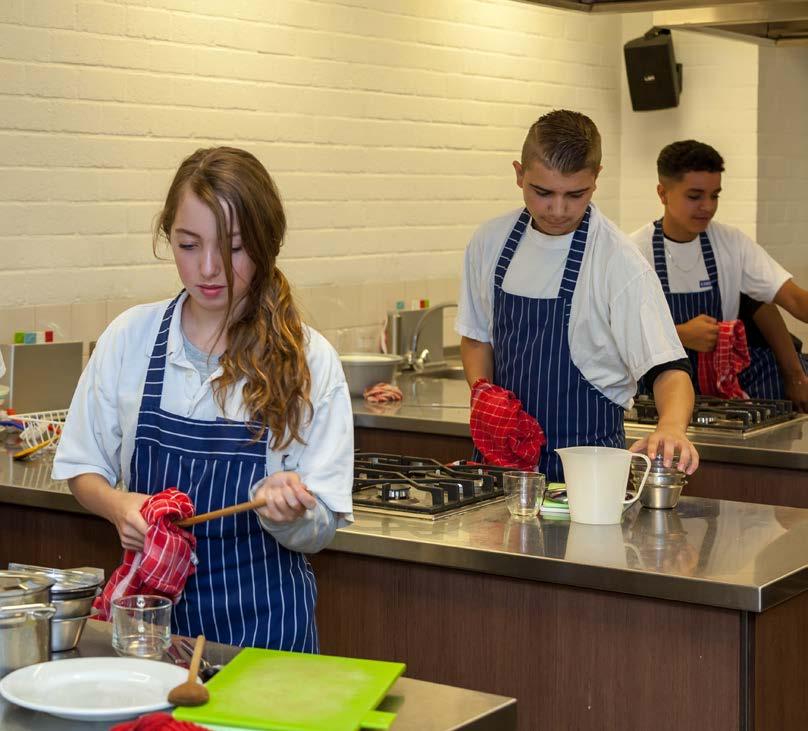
<point>596,479</point>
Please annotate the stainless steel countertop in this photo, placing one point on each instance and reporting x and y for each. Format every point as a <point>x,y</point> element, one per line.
<point>440,406</point>
<point>736,555</point>
<point>418,705</point>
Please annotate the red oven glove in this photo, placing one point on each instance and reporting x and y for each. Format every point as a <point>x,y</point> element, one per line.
<point>157,722</point>
<point>719,369</point>
<point>505,434</point>
<point>167,559</point>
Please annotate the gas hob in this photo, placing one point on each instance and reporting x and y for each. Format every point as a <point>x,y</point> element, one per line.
<point>734,417</point>
<point>419,487</point>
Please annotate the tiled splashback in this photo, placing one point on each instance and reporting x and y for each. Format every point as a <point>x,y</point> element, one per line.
<point>350,316</point>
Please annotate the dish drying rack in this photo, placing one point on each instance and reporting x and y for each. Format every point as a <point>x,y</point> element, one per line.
<point>38,429</point>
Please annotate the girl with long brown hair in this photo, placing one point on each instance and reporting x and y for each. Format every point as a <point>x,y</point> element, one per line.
<point>225,394</point>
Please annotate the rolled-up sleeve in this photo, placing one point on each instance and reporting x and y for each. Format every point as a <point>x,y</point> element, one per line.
<point>474,301</point>
<point>643,327</point>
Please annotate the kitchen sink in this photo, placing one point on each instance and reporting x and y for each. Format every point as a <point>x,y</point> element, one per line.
<point>453,372</point>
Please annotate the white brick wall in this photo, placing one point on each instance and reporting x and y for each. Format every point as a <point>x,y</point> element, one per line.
<point>783,163</point>
<point>718,105</point>
<point>389,125</point>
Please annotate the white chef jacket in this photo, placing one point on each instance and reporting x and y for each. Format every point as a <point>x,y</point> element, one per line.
<point>99,433</point>
<point>2,366</point>
<point>743,265</point>
<point>620,325</point>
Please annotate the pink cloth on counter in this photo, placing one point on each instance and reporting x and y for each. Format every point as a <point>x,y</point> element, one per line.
<point>167,559</point>
<point>383,393</point>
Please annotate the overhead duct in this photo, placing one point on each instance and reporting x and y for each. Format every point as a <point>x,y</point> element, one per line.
<point>784,22</point>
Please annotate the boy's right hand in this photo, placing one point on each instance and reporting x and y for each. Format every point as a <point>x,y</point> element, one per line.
<point>700,333</point>
<point>128,521</point>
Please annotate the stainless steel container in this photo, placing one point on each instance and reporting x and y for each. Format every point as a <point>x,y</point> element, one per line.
<point>66,633</point>
<point>664,484</point>
<point>24,635</point>
<point>363,370</point>
<point>22,587</point>
<point>41,376</point>
<point>72,593</point>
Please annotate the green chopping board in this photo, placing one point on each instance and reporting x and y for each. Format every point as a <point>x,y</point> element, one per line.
<point>293,691</point>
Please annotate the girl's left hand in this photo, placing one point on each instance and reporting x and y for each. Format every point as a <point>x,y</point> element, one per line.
<point>287,498</point>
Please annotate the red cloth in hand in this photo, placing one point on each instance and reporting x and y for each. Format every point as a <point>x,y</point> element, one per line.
<point>157,722</point>
<point>167,559</point>
<point>505,434</point>
<point>718,370</point>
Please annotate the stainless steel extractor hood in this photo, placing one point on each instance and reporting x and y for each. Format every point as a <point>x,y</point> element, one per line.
<point>784,22</point>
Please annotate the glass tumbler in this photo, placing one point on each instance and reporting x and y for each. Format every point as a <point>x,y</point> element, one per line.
<point>141,625</point>
<point>524,492</point>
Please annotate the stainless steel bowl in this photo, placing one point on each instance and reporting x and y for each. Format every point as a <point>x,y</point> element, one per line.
<point>363,370</point>
<point>74,606</point>
<point>661,497</point>
<point>66,633</point>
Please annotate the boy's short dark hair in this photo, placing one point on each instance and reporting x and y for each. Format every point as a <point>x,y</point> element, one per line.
<point>564,141</point>
<point>688,156</point>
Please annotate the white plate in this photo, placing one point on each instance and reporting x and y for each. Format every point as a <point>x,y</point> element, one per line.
<point>93,688</point>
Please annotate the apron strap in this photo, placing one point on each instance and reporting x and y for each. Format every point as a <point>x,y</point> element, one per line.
<point>508,250</point>
<point>574,259</point>
<point>661,266</point>
<point>153,387</point>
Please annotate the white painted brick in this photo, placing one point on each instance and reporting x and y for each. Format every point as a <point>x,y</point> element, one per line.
<point>12,78</point>
<point>100,17</point>
<point>103,84</point>
<point>52,81</point>
<point>12,11</point>
<point>50,13</point>
<point>24,44</point>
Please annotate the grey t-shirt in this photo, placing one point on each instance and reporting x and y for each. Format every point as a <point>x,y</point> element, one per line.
<point>204,363</point>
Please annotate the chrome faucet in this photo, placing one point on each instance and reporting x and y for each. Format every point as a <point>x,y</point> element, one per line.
<point>411,361</point>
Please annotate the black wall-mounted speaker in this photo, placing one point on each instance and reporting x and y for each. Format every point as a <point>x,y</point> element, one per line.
<point>654,77</point>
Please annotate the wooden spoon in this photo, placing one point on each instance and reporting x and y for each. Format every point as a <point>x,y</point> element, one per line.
<point>191,692</point>
<point>232,510</point>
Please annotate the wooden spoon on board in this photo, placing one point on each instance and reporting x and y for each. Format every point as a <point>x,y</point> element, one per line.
<point>191,693</point>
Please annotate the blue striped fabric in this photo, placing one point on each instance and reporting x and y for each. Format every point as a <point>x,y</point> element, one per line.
<point>532,358</point>
<point>762,378</point>
<point>248,590</point>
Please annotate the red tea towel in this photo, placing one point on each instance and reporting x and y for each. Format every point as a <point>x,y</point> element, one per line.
<point>505,434</point>
<point>157,722</point>
<point>167,559</point>
<point>718,370</point>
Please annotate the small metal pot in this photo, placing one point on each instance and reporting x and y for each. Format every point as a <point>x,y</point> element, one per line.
<point>23,587</point>
<point>66,633</point>
<point>72,593</point>
<point>661,496</point>
<point>24,635</point>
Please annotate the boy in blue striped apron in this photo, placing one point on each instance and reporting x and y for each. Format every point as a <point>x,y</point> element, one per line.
<point>705,267</point>
<point>557,306</point>
<point>223,393</point>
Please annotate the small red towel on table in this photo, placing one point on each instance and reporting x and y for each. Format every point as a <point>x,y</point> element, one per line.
<point>505,434</point>
<point>157,722</point>
<point>167,559</point>
<point>718,370</point>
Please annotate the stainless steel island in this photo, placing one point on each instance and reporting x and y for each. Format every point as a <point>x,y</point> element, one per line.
<point>418,705</point>
<point>700,612</point>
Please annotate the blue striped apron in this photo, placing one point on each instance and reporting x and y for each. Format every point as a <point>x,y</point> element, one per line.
<point>762,378</point>
<point>248,590</point>
<point>532,358</point>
